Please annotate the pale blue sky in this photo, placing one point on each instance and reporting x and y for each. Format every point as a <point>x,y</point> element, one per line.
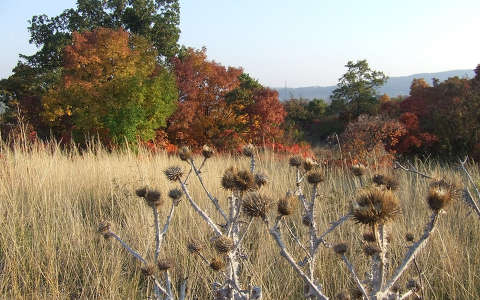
<point>303,42</point>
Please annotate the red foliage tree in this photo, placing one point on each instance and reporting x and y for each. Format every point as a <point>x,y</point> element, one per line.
<point>202,115</point>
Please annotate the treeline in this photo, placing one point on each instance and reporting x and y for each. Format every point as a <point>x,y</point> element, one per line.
<point>442,119</point>
<point>115,71</point>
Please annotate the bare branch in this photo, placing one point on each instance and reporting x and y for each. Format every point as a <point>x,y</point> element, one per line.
<point>275,232</point>
<point>412,169</point>
<point>213,199</point>
<point>413,250</point>
<point>355,276</point>
<point>127,247</point>
<point>199,210</point>
<point>165,227</point>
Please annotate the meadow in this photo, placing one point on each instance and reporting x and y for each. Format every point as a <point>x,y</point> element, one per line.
<point>52,202</point>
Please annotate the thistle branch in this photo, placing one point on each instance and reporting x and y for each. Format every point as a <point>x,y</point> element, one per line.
<point>412,169</point>
<point>355,276</point>
<point>200,211</point>
<point>413,251</point>
<point>213,199</point>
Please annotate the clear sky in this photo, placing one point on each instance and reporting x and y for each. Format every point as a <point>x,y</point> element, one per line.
<point>303,42</point>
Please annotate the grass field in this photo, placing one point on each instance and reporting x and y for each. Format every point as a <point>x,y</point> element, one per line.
<point>52,202</point>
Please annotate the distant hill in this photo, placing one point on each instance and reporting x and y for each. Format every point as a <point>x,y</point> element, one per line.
<point>395,86</point>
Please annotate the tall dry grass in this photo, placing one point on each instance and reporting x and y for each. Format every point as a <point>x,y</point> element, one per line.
<point>52,201</point>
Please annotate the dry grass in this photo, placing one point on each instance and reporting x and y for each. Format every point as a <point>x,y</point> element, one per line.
<point>51,204</point>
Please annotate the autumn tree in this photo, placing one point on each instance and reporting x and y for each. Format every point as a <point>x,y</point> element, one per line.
<point>356,89</point>
<point>259,110</point>
<point>111,85</point>
<point>203,116</point>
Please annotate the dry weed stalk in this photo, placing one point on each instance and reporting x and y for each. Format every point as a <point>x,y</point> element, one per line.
<point>228,236</point>
<point>154,200</point>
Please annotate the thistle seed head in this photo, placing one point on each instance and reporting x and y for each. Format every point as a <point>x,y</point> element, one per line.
<point>387,181</point>
<point>164,264</point>
<point>359,170</point>
<point>371,250</point>
<point>375,206</point>
<point>315,177</point>
<point>194,246</point>
<point>369,237</point>
<point>287,205</point>
<point>207,152</point>
<point>343,296</point>
<point>248,150</point>
<point>340,248</point>
<point>104,229</point>
<point>440,194</point>
<point>307,220</point>
<point>184,153</point>
<point>141,192</point>
<point>256,205</point>
<point>153,198</point>
<point>223,244</point>
<point>228,179</point>
<point>148,270</point>
<point>409,237</point>
<point>174,173</point>
<point>309,164</point>
<point>261,179</point>
<point>295,161</point>
<point>244,181</point>
<point>217,264</point>
<point>413,285</point>
<point>176,195</point>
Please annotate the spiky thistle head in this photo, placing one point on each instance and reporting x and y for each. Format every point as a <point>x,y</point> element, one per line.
<point>315,177</point>
<point>261,179</point>
<point>440,194</point>
<point>194,246</point>
<point>217,264</point>
<point>371,250</point>
<point>359,170</point>
<point>244,181</point>
<point>153,198</point>
<point>413,285</point>
<point>295,161</point>
<point>340,248</point>
<point>104,229</point>
<point>165,263</point>
<point>409,237</point>
<point>309,164</point>
<point>185,153</point>
<point>207,152</point>
<point>248,150</point>
<point>148,270</point>
<point>375,206</point>
<point>228,179</point>
<point>173,173</point>
<point>256,205</point>
<point>386,181</point>
<point>369,237</point>
<point>307,220</point>
<point>223,244</point>
<point>343,296</point>
<point>141,192</point>
<point>176,195</point>
<point>287,205</point>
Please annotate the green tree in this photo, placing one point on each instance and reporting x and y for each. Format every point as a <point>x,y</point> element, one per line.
<point>111,85</point>
<point>356,89</point>
<point>155,20</point>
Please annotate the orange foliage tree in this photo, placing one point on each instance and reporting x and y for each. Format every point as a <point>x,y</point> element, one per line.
<point>202,115</point>
<point>111,86</point>
<point>372,138</point>
<point>221,106</point>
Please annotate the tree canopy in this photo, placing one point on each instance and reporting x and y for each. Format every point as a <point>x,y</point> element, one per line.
<point>111,85</point>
